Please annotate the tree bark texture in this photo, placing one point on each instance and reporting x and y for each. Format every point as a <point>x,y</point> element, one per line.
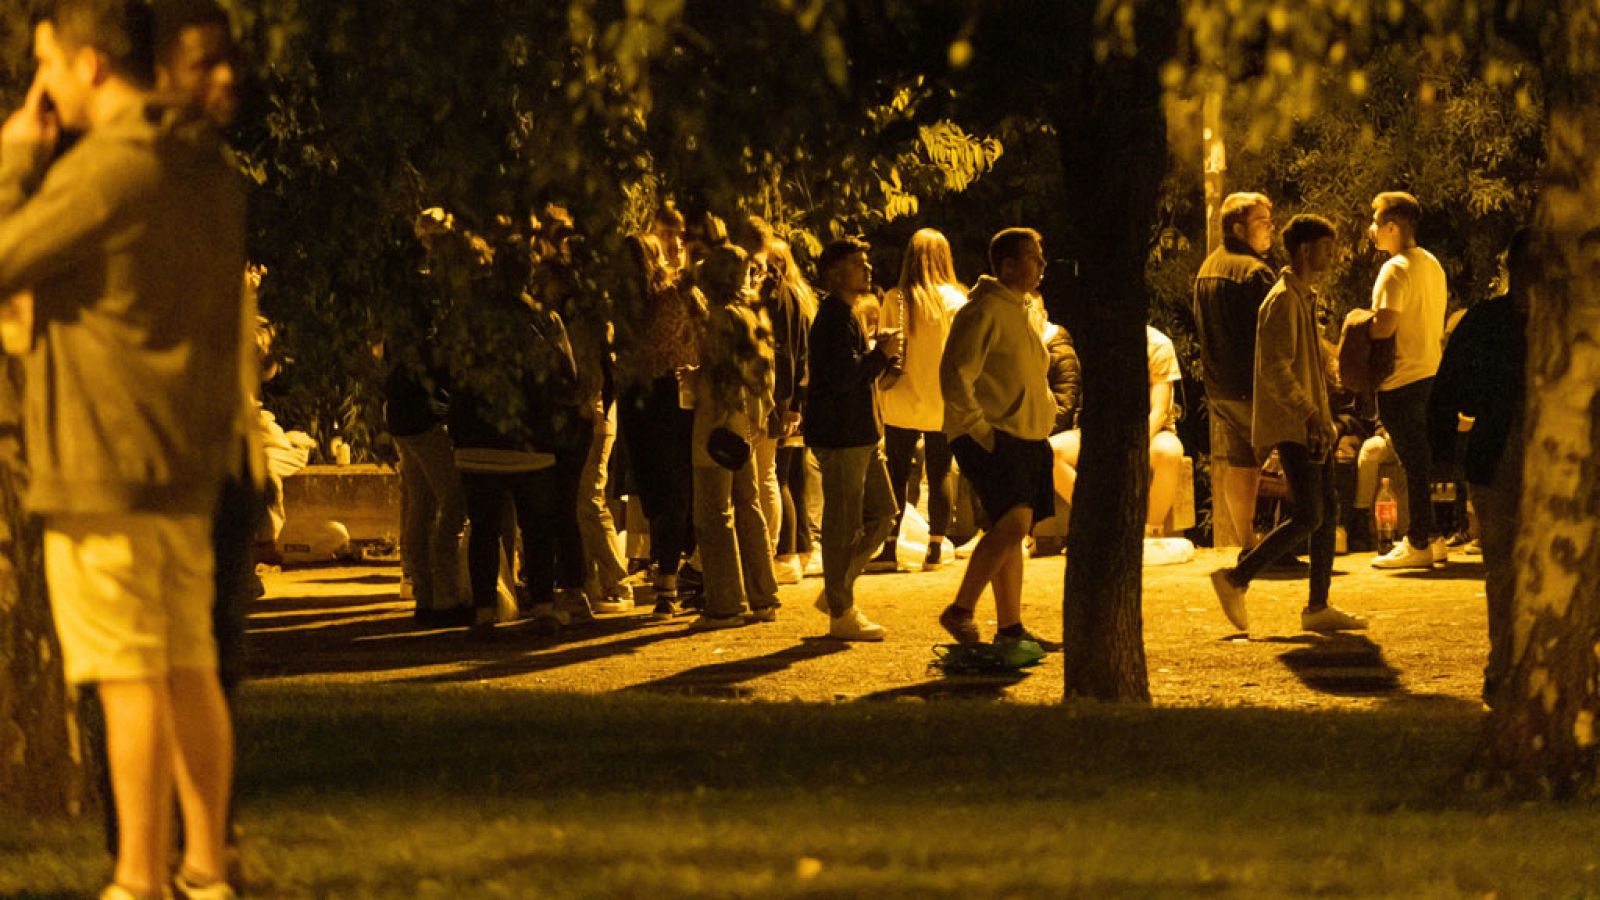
<point>1114,150</point>
<point>40,764</point>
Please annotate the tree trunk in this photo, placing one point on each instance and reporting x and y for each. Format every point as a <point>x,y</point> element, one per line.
<point>1114,151</point>
<point>1542,738</point>
<point>40,766</point>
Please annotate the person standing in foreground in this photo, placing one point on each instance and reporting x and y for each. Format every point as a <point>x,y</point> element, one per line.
<point>133,244</point>
<point>843,429</point>
<point>1481,384</point>
<point>1291,415</point>
<point>998,413</point>
<point>1409,298</point>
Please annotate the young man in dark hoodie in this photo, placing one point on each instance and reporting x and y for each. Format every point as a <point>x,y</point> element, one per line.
<point>844,430</point>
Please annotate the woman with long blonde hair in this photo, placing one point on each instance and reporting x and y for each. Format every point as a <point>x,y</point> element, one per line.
<point>923,304</point>
<point>792,307</point>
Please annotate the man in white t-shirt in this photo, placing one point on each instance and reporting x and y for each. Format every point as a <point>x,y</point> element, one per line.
<point>1166,452</point>
<point>1409,299</point>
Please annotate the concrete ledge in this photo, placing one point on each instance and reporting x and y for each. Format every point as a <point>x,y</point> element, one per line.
<point>363,498</point>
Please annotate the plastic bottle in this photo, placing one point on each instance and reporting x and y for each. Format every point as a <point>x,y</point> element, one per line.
<point>1386,509</point>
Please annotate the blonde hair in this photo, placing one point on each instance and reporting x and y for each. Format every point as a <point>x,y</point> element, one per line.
<point>926,267</point>
<point>790,280</point>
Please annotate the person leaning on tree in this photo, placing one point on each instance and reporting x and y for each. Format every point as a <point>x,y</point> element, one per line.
<point>1291,414</point>
<point>1409,298</point>
<point>1228,291</point>
<point>998,414</point>
<point>132,242</point>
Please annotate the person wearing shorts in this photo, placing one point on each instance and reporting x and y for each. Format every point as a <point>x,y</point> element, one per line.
<point>132,244</point>
<point>1228,291</point>
<point>998,414</point>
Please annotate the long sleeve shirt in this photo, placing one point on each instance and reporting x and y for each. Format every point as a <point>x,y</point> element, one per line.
<point>1228,291</point>
<point>994,372</point>
<point>1482,376</point>
<point>841,401</point>
<point>133,245</point>
<point>1291,385</point>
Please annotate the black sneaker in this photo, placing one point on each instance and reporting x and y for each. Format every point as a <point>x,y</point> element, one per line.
<point>885,561</point>
<point>959,623</point>
<point>932,560</point>
<point>666,607</point>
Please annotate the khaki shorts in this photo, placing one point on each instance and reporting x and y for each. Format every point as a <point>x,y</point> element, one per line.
<point>132,593</point>
<point>1230,432</point>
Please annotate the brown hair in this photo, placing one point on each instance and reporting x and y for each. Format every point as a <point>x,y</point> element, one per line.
<point>1398,207</point>
<point>1009,244</point>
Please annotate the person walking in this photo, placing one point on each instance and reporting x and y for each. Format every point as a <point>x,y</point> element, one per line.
<point>132,244</point>
<point>923,304</point>
<point>1409,298</point>
<point>998,414</point>
<point>1291,415</point>
<point>843,429</point>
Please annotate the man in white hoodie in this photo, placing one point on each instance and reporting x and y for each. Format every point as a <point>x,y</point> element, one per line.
<point>998,413</point>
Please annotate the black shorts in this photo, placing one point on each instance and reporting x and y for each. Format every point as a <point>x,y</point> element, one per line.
<point>1016,473</point>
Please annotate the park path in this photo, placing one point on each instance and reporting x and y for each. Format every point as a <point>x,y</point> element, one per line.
<point>345,624</point>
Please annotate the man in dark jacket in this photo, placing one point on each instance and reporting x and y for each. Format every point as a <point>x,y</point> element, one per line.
<point>1481,384</point>
<point>843,428</point>
<point>1228,292</point>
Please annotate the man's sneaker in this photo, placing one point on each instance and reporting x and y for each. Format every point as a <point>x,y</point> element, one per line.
<point>933,560</point>
<point>853,626</point>
<point>1231,596</point>
<point>187,887</point>
<point>1046,645</point>
<point>1018,650</point>
<point>1440,548</point>
<point>788,569</point>
<point>574,604</point>
<point>1405,556</point>
<point>550,610</point>
<point>1475,548</point>
<point>959,623</point>
<point>666,607</point>
<point>707,622</point>
<point>1329,619</point>
<point>763,613</point>
<point>884,561</point>
<point>618,599</point>
<point>813,565</point>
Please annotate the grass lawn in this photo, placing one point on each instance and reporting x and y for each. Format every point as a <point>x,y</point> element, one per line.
<point>456,791</point>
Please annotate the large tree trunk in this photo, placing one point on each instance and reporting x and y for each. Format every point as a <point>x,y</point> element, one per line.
<point>1114,151</point>
<point>1542,738</point>
<point>40,766</point>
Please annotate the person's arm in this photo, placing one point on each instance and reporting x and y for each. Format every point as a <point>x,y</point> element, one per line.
<point>971,336</point>
<point>1066,381</point>
<point>837,365</point>
<point>1276,352</point>
<point>1388,300</point>
<point>1160,406</point>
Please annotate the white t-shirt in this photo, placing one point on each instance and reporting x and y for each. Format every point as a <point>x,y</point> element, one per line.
<point>1163,361</point>
<point>1413,285</point>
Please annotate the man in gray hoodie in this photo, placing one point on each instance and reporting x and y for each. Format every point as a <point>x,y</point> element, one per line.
<point>132,243</point>
<point>998,413</point>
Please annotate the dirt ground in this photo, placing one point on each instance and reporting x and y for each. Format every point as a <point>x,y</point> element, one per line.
<point>1426,642</point>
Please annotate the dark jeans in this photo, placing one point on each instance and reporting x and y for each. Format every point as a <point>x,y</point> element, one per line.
<point>1313,513</point>
<point>660,440</point>
<point>1404,412</point>
<point>571,569</point>
<point>1498,505</point>
<point>899,446</point>
<point>794,529</point>
<point>533,495</point>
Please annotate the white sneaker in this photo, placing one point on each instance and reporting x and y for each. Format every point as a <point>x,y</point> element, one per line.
<point>813,566</point>
<point>1440,548</point>
<point>1405,556</point>
<point>853,626</point>
<point>1231,597</point>
<point>788,570</point>
<point>1328,619</point>
<point>618,599</point>
<point>574,604</point>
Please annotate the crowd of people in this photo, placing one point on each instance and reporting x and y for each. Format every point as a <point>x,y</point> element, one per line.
<point>731,387</point>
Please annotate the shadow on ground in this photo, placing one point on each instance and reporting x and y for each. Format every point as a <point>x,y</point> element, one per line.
<point>725,679</point>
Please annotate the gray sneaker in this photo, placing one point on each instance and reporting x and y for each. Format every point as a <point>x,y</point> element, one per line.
<point>1328,620</point>
<point>1231,597</point>
<point>1018,651</point>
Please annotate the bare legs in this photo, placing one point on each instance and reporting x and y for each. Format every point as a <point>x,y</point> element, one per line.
<point>997,561</point>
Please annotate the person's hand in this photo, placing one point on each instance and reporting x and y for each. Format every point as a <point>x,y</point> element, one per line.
<point>791,423</point>
<point>34,128</point>
<point>891,341</point>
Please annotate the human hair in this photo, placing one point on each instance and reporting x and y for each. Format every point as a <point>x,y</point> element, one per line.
<point>667,215</point>
<point>926,267</point>
<point>839,251</point>
<point>121,30</point>
<point>1398,207</point>
<point>1009,244</point>
<point>790,280</point>
<point>708,228</point>
<point>724,275</point>
<point>1236,208</point>
<point>173,17</point>
<point>1304,229</point>
<point>752,234</point>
